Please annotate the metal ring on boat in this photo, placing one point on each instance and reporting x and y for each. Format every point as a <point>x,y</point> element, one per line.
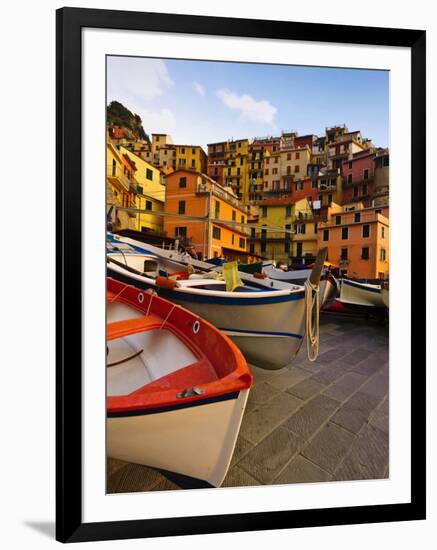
<point>140,297</point>
<point>196,327</point>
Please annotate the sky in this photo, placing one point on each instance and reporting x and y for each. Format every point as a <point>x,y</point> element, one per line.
<point>200,102</point>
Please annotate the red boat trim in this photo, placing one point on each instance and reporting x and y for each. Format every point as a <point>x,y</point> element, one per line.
<point>175,407</point>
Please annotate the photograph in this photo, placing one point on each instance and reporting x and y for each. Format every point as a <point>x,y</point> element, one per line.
<point>247,274</point>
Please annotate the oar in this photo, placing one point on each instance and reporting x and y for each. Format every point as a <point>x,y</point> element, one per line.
<point>316,272</point>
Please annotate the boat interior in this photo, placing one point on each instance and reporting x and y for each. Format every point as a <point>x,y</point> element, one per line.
<point>154,357</point>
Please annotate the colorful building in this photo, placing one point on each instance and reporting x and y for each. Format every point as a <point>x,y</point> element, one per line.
<point>381,178</point>
<point>358,177</point>
<point>121,188</point>
<point>202,207</point>
<point>147,176</point>
<point>358,241</point>
<point>190,157</point>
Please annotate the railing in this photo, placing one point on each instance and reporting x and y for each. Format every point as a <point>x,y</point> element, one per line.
<point>358,180</point>
<point>116,172</point>
<point>204,188</point>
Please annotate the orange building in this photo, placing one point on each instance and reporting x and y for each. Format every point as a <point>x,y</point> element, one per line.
<point>193,195</point>
<point>358,242</point>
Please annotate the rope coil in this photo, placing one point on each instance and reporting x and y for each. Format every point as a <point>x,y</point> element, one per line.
<point>312,320</point>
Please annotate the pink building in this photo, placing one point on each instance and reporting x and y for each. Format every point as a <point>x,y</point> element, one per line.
<point>358,178</point>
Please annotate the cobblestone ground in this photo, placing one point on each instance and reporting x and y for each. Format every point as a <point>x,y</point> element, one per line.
<point>308,422</point>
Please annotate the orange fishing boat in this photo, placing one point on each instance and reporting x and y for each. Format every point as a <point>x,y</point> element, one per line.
<point>176,388</point>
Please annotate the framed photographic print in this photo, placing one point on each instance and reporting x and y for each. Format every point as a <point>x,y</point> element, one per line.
<point>240,289</point>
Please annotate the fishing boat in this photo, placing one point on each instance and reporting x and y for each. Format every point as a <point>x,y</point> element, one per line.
<point>265,318</point>
<point>176,388</point>
<point>329,287</point>
<point>360,296</point>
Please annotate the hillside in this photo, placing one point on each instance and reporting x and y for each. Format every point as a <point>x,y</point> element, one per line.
<point>118,115</point>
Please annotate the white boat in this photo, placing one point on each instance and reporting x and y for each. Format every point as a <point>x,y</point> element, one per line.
<point>176,388</point>
<point>354,293</point>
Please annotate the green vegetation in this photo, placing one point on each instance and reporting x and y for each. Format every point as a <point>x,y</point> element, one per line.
<point>118,115</point>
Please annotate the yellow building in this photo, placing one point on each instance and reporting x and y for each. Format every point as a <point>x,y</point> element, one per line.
<point>236,171</point>
<point>149,221</point>
<point>275,213</point>
<point>191,157</point>
<point>121,189</point>
<point>147,176</point>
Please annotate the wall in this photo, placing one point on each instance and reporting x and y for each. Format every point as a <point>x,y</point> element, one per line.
<point>28,487</point>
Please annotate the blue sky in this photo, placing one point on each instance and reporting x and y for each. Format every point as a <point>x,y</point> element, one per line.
<point>200,102</point>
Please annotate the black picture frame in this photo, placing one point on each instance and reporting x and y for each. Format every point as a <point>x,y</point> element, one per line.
<point>69,525</point>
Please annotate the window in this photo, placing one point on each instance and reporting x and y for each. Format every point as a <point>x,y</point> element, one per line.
<point>299,186</point>
<point>229,171</point>
<point>357,217</point>
<point>297,156</point>
<point>344,233</point>
<point>114,167</point>
<point>241,161</point>
<point>182,182</point>
<point>349,178</point>
<point>180,232</point>
<point>365,253</point>
<point>364,188</point>
<point>296,169</point>
<point>183,150</point>
<point>149,174</point>
<point>274,171</point>
<point>288,170</point>
<point>386,161</point>
<point>264,211</point>
<point>300,228</point>
<point>181,207</point>
<point>216,233</point>
<point>366,174</point>
<point>337,220</point>
<point>233,238</point>
<point>355,191</point>
<point>382,255</point>
<point>234,215</point>
<point>329,200</point>
<point>378,211</point>
<point>343,254</point>
<point>239,145</point>
<point>252,248</point>
<point>267,171</point>
<point>316,228</point>
<point>314,184</point>
<point>238,171</point>
<point>382,232</point>
<point>217,210</point>
<point>366,231</point>
<point>350,164</point>
<point>288,156</point>
<point>276,160</point>
<point>193,151</point>
<point>193,163</point>
<point>288,211</point>
<point>242,243</point>
<point>242,219</point>
<point>148,205</point>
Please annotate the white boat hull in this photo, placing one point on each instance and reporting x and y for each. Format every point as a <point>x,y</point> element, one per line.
<point>196,441</point>
<point>361,294</point>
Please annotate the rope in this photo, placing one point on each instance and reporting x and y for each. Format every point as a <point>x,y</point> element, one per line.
<point>168,315</point>
<point>312,320</point>
<point>152,293</point>
<point>120,361</point>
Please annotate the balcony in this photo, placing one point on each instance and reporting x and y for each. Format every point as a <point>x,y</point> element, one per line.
<point>117,178</point>
<point>326,188</point>
<point>221,193</point>
<point>357,181</point>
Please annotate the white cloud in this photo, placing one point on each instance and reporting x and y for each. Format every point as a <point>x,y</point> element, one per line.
<point>249,108</point>
<point>133,80</point>
<point>161,121</point>
<point>199,88</point>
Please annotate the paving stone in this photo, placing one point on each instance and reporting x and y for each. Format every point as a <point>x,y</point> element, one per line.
<point>133,478</point>
<point>237,477</point>
<point>329,446</point>
<point>330,373</point>
<point>268,458</point>
<point>264,419</point>
<point>368,457</point>
<point>261,375</point>
<point>380,417</point>
<point>330,356</point>
<point>301,470</point>
<point>370,366</point>
<point>377,385</point>
<point>356,356</point>
<point>310,418</point>
<point>306,389</point>
<point>355,411</point>
<point>260,394</point>
<point>242,447</point>
<point>289,378</point>
<point>342,388</point>
<point>113,465</point>
<point>165,485</point>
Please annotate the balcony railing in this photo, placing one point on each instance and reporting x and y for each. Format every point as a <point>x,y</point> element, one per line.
<point>205,188</point>
<point>117,173</point>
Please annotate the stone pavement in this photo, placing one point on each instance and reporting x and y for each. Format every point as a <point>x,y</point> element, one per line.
<point>308,422</point>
